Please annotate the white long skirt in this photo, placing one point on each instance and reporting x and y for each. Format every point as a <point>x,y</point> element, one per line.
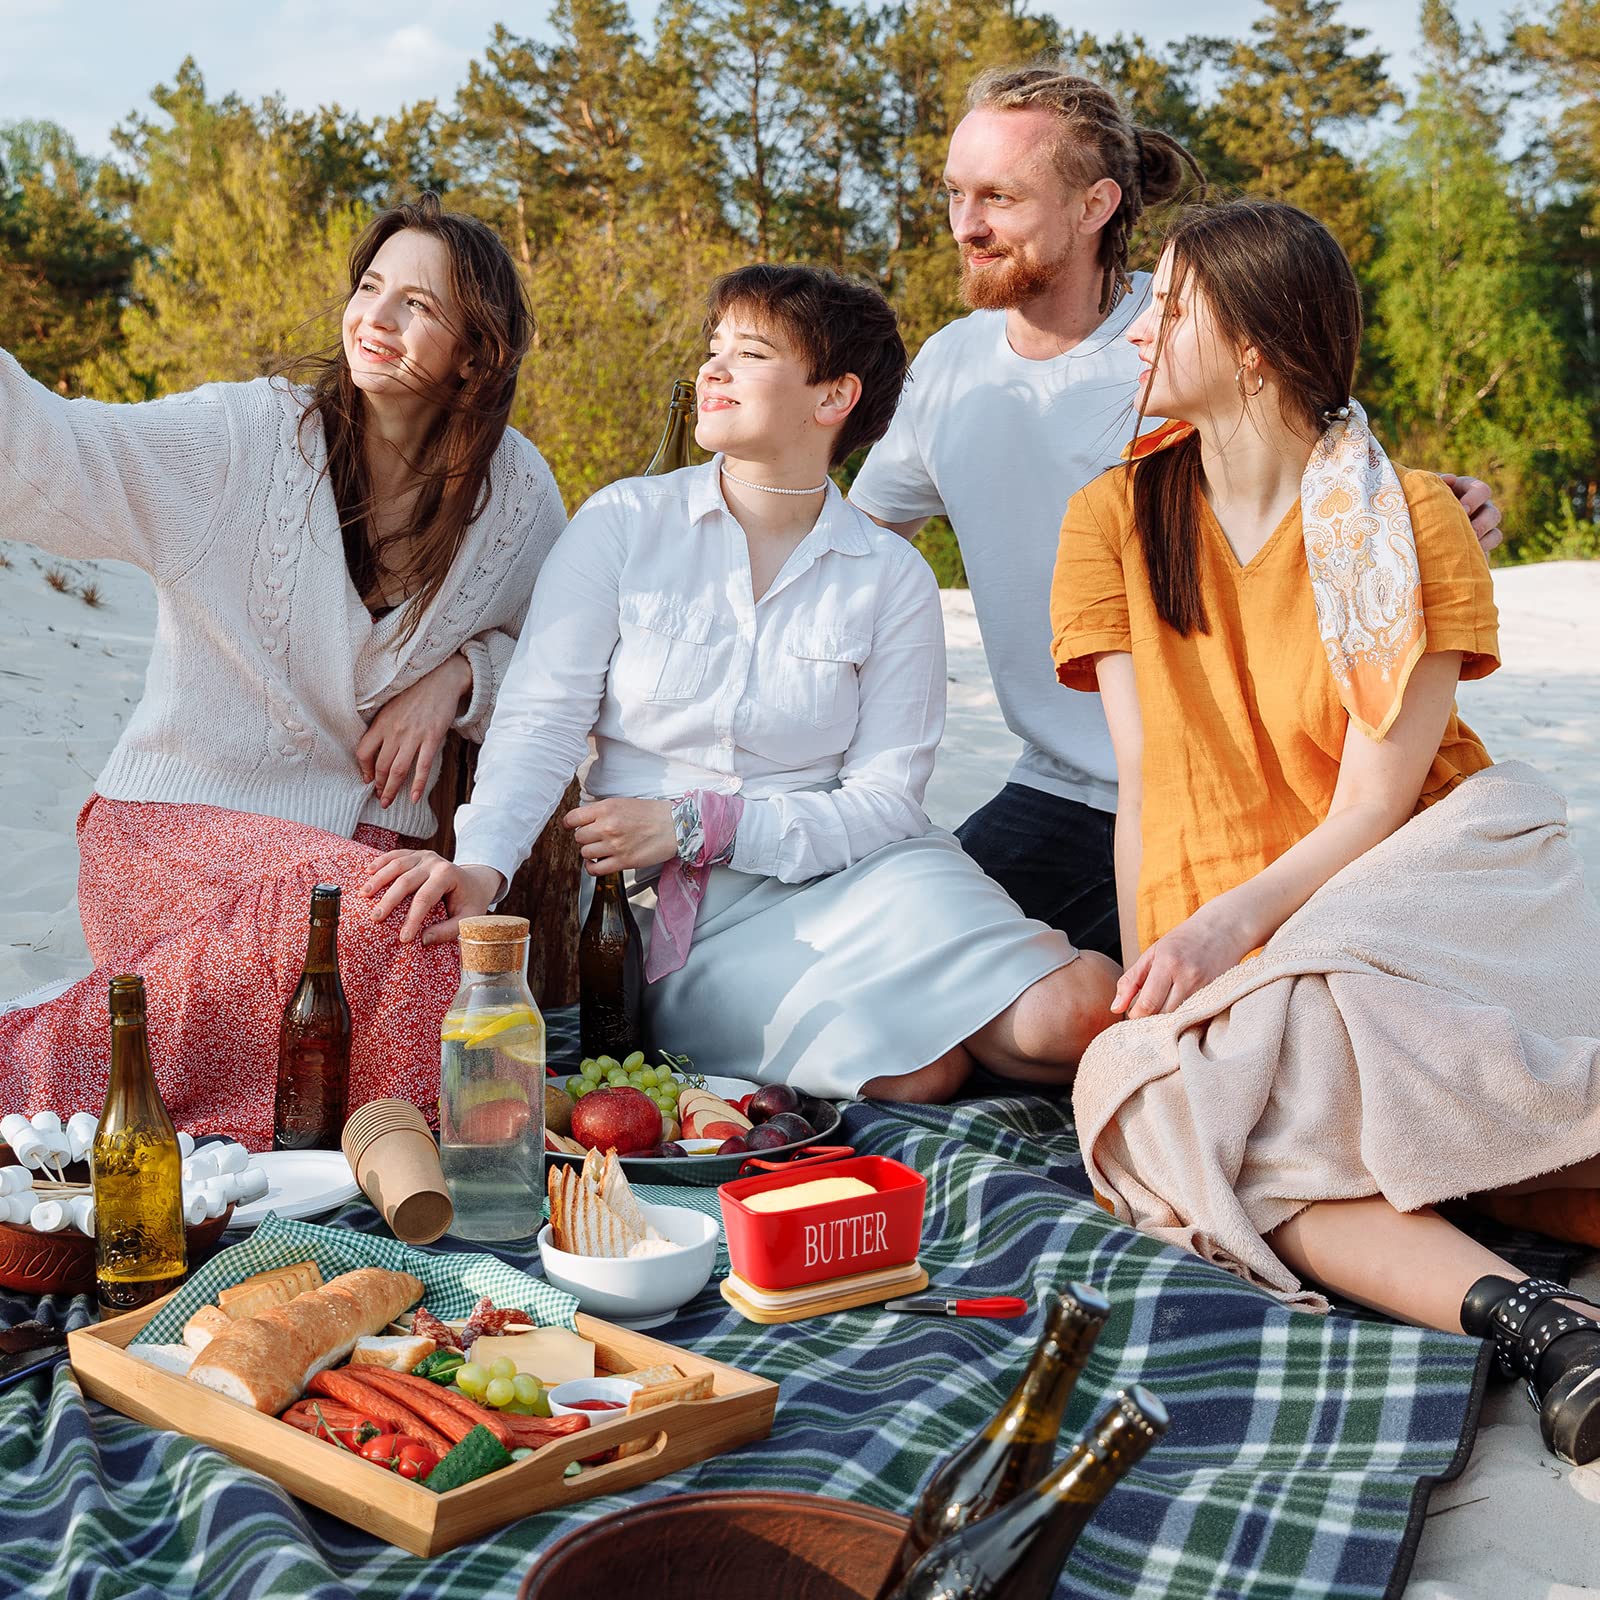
<point>875,970</point>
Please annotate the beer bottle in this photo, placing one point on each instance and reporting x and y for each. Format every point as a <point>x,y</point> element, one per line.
<point>314,1041</point>
<point>1017,1552</point>
<point>610,975</point>
<point>136,1171</point>
<point>1017,1445</point>
<point>676,437</point>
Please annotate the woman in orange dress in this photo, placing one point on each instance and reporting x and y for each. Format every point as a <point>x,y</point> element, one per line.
<point>1331,899</point>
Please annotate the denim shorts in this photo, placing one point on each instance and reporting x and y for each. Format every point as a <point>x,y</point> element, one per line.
<point>1054,858</point>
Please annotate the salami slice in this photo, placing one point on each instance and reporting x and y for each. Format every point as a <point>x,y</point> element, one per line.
<point>486,1318</point>
<point>427,1326</point>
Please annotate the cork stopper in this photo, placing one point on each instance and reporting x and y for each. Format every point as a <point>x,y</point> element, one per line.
<point>493,944</point>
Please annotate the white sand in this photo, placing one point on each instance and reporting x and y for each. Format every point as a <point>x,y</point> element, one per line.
<point>1516,1523</point>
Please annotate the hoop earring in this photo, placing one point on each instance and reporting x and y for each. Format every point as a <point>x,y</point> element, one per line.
<point>1249,394</point>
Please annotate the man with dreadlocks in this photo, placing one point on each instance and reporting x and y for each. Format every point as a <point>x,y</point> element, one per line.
<point>1013,409</point>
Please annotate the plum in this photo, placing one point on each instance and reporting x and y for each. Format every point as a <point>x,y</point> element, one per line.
<point>766,1137</point>
<point>791,1125</point>
<point>735,1145</point>
<point>666,1149</point>
<point>771,1100</point>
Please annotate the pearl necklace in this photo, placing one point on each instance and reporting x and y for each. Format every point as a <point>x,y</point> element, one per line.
<point>767,488</point>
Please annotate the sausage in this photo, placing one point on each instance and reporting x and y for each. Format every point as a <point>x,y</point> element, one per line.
<point>350,1390</point>
<point>453,1414</point>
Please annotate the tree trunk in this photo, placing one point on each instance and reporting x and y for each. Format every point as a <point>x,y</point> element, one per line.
<point>545,889</point>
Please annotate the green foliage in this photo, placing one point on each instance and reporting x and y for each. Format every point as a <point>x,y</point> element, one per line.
<point>628,153</point>
<point>1473,361</point>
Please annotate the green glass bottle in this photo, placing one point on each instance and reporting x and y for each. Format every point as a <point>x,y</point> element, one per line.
<point>678,435</point>
<point>139,1249</point>
<point>1017,1445</point>
<point>1017,1552</point>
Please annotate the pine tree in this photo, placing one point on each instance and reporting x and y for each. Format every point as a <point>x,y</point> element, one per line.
<point>64,263</point>
<point>1289,94</point>
<point>1472,359</point>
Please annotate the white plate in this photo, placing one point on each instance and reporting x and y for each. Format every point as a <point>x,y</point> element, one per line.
<point>300,1183</point>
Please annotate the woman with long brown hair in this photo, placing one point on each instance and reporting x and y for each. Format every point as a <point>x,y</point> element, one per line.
<point>1362,973</point>
<point>341,568</point>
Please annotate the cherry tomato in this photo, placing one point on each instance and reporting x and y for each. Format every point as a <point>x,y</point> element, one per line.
<point>414,1460</point>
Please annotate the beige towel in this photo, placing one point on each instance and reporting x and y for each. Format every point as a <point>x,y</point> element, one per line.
<point>1425,1026</point>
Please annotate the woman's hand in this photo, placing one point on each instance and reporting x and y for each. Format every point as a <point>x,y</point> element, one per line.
<point>616,834</point>
<point>406,733</point>
<point>467,891</point>
<point>1199,949</point>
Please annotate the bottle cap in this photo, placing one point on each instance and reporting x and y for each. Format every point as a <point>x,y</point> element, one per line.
<point>325,902</point>
<point>1144,1410</point>
<point>493,944</point>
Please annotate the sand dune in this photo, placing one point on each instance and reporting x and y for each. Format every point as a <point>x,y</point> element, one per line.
<point>1515,1524</point>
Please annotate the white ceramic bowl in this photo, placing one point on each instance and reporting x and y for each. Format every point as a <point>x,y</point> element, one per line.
<point>645,1291</point>
<point>561,1397</point>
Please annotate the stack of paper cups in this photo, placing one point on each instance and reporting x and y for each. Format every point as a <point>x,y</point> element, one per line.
<point>396,1162</point>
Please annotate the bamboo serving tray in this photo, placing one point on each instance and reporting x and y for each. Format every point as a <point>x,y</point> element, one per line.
<point>740,1409</point>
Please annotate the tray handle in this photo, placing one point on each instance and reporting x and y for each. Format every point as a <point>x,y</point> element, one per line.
<point>816,1152</point>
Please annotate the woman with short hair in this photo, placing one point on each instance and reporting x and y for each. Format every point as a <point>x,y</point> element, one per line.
<point>762,668</point>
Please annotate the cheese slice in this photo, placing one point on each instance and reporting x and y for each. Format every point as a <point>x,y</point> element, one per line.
<point>819,1192</point>
<point>552,1355</point>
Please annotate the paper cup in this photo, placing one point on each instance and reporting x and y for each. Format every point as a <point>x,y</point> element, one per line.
<point>364,1124</point>
<point>399,1171</point>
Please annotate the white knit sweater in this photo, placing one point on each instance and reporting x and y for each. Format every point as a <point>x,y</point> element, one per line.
<point>266,667</point>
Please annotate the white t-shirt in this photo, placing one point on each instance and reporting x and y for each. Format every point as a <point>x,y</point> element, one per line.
<point>999,444</point>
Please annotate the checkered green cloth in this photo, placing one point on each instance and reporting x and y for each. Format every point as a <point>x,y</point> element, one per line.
<point>1298,1465</point>
<point>452,1284</point>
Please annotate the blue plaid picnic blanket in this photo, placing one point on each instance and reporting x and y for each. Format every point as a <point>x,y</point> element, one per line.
<point>1298,1464</point>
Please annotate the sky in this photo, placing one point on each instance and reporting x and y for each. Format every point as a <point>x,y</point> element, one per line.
<point>87,64</point>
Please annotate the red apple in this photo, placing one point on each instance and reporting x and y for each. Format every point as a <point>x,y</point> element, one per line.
<point>623,1119</point>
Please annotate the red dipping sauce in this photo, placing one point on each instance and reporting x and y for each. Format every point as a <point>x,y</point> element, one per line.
<point>596,1405</point>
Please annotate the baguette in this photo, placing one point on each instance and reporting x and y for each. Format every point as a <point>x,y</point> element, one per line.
<point>267,1360</point>
<point>204,1326</point>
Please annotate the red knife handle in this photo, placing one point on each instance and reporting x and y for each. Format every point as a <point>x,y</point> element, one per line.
<point>1000,1306</point>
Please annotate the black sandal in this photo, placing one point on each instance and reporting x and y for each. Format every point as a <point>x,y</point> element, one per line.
<point>1556,1349</point>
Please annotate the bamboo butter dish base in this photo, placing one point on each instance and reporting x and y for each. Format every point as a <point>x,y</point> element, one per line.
<point>816,1299</point>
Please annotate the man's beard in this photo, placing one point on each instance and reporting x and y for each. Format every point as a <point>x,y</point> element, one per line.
<point>1007,284</point>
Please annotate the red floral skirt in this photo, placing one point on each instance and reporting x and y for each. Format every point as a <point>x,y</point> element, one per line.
<point>211,908</point>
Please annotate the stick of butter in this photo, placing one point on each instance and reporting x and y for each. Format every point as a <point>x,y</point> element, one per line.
<point>816,1193</point>
<point>552,1355</point>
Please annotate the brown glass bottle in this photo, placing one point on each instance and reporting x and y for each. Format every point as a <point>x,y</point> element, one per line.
<point>314,1041</point>
<point>610,975</point>
<point>1017,1445</point>
<point>678,435</point>
<point>1017,1552</point>
<point>137,1171</point>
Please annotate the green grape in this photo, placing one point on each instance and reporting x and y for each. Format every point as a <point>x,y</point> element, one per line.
<point>527,1387</point>
<point>634,1061</point>
<point>648,1079</point>
<point>608,1063</point>
<point>541,1406</point>
<point>579,1087</point>
<point>503,1367</point>
<point>517,1409</point>
<point>592,1071</point>
<point>500,1392</point>
<point>471,1379</point>
<point>672,1090</point>
<point>617,1078</point>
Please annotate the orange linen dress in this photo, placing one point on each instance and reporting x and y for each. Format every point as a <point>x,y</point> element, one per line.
<point>1243,729</point>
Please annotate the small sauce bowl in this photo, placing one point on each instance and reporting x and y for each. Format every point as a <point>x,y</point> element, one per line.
<point>618,1391</point>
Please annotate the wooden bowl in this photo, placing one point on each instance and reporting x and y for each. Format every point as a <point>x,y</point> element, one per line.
<point>725,1545</point>
<point>63,1263</point>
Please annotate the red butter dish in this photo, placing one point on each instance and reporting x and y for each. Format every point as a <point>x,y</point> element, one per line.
<point>832,1238</point>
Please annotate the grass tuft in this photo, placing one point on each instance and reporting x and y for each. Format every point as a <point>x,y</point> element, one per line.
<point>59,580</point>
<point>91,596</point>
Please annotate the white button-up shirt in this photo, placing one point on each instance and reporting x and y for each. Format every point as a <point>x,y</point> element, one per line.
<point>821,703</point>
